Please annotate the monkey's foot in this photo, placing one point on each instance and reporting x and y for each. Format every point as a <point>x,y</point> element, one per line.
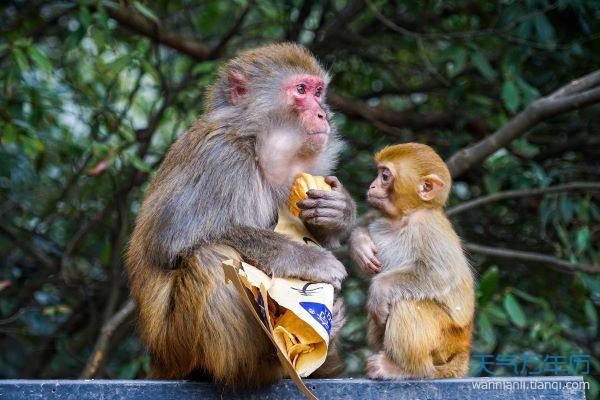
<point>379,367</point>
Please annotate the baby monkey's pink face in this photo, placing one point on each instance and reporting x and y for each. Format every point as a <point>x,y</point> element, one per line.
<point>381,191</point>
<point>305,95</point>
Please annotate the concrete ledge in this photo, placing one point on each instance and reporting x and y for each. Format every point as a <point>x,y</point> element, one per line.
<point>555,388</point>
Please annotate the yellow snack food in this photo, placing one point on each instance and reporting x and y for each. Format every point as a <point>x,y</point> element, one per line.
<point>296,335</point>
<point>304,182</point>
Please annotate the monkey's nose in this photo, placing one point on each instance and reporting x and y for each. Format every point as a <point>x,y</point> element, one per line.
<point>320,115</point>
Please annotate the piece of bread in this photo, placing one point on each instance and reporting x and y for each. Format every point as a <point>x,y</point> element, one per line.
<point>304,182</point>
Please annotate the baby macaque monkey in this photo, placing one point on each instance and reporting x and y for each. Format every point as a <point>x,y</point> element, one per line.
<point>421,298</point>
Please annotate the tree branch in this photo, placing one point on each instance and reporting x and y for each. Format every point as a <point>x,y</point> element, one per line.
<point>553,262</point>
<point>108,329</point>
<point>510,194</point>
<point>413,120</point>
<point>219,48</point>
<point>26,247</point>
<point>577,94</point>
<point>157,32</point>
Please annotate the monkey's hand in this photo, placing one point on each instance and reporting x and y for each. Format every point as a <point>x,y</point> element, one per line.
<point>275,254</point>
<point>378,304</point>
<point>328,214</point>
<point>310,263</point>
<point>362,250</point>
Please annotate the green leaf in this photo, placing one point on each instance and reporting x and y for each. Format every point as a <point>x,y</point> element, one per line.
<point>31,146</point>
<point>118,64</point>
<point>488,284</point>
<point>20,58</point>
<point>491,183</point>
<point>529,92</point>
<point>127,133</point>
<point>149,68</point>
<point>26,126</point>
<point>592,284</point>
<point>85,17</point>
<point>592,316</point>
<point>544,29</point>
<point>129,371</point>
<point>205,67</point>
<point>483,66</point>
<point>524,30</point>
<point>459,62</point>
<point>583,239</point>
<point>514,310</point>
<point>101,17</point>
<point>496,314</point>
<point>510,96</point>
<point>106,254</point>
<point>139,163</point>
<point>22,42</point>
<point>39,58</point>
<point>145,11</point>
<point>486,330</point>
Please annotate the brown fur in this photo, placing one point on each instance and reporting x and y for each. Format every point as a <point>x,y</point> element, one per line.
<point>208,202</point>
<point>421,304</point>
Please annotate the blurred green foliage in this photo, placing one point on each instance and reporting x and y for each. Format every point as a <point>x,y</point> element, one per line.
<point>89,107</point>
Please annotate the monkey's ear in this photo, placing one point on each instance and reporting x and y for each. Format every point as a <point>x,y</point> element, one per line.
<point>238,86</point>
<point>430,186</point>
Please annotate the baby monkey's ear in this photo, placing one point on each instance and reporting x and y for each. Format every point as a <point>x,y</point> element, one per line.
<point>430,186</point>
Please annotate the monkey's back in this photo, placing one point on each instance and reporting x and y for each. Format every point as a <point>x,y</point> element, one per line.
<point>183,303</point>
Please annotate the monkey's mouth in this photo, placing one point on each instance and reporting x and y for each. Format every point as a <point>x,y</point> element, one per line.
<point>317,138</point>
<point>320,132</point>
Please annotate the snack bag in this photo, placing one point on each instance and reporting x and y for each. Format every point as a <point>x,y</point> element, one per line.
<point>298,314</point>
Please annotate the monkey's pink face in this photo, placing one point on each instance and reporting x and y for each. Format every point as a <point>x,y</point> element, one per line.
<point>305,94</point>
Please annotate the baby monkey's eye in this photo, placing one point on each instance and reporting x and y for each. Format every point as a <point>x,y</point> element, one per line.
<point>318,91</point>
<point>385,175</point>
<point>301,88</point>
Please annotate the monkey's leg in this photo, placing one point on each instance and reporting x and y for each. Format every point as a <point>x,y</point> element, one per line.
<point>234,350</point>
<point>454,351</point>
<point>412,333</point>
<point>381,366</point>
<point>191,319</point>
<point>375,334</point>
<point>456,367</point>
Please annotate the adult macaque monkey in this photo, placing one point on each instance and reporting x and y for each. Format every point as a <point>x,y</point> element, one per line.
<point>216,195</point>
<point>421,300</point>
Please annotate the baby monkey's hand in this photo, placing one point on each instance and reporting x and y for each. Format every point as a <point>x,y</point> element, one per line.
<point>362,250</point>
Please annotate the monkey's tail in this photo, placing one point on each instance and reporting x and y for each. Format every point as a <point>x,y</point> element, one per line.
<point>456,367</point>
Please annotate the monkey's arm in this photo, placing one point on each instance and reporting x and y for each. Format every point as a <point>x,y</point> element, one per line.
<point>329,214</point>
<point>386,286</point>
<point>275,254</point>
<point>362,250</point>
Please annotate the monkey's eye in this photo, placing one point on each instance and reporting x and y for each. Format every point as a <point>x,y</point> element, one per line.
<point>385,175</point>
<point>301,88</point>
<point>318,91</point>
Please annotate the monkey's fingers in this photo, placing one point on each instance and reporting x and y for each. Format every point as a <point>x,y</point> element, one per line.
<point>320,212</point>
<point>326,194</point>
<point>321,203</point>
<point>375,262</point>
<point>323,221</point>
<point>334,182</point>
<point>368,266</point>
